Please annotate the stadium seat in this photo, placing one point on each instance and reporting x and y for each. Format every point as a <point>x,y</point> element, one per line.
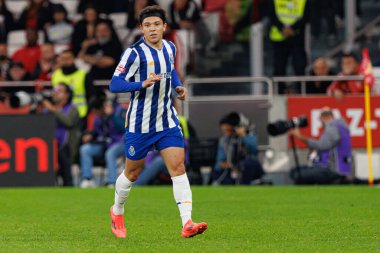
<point>16,7</point>
<point>119,19</point>
<point>122,33</point>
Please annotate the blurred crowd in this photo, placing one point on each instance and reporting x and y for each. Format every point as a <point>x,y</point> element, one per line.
<point>71,51</point>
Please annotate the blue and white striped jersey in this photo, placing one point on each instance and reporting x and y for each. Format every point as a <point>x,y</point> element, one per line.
<point>150,109</point>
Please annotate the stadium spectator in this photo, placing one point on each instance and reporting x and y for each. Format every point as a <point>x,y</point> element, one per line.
<point>236,160</point>
<point>66,130</point>
<point>61,29</point>
<point>36,15</point>
<point>77,79</point>
<point>350,66</point>
<point>17,72</point>
<point>103,53</point>
<point>324,9</point>
<point>185,14</point>
<point>106,140</point>
<point>46,63</point>
<point>6,21</point>
<point>255,12</point>
<point>84,30</point>
<point>332,153</point>
<point>4,61</point>
<point>100,5</point>
<point>287,33</point>
<point>320,68</point>
<point>29,55</point>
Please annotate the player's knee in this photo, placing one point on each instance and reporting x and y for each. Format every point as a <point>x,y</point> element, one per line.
<point>132,175</point>
<point>179,168</point>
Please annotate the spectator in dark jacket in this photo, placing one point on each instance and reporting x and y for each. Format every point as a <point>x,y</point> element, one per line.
<point>102,53</point>
<point>6,21</point>
<point>186,14</point>
<point>320,68</point>
<point>36,15</point>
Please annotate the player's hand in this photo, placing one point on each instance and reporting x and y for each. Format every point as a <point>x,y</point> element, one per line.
<point>182,92</point>
<point>151,80</point>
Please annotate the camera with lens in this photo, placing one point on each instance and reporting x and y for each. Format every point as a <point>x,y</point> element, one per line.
<point>282,126</point>
<point>22,98</point>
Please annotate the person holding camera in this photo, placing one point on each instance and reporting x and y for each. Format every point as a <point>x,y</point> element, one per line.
<point>332,162</point>
<point>236,160</point>
<point>67,129</point>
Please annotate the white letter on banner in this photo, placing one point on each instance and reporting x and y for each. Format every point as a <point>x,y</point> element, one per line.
<point>356,116</point>
<point>316,123</point>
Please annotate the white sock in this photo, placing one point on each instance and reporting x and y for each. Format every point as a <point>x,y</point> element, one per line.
<point>182,196</point>
<point>122,188</point>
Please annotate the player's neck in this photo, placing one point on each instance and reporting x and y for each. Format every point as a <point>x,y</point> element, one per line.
<point>157,45</point>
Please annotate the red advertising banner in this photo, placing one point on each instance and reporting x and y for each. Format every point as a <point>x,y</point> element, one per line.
<point>351,108</point>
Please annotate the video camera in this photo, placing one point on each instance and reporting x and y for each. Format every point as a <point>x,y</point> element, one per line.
<point>282,126</point>
<point>22,98</point>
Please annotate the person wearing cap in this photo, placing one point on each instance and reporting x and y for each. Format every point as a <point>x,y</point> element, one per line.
<point>146,69</point>
<point>332,162</point>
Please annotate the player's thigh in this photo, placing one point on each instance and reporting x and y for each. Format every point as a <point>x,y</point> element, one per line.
<point>174,158</point>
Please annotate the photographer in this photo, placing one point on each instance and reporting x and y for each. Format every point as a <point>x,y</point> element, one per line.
<point>236,160</point>
<point>333,161</point>
<point>67,129</point>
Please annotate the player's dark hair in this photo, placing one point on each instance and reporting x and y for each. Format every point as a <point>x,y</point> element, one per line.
<point>152,11</point>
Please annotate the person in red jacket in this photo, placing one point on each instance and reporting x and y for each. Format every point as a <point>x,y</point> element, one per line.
<point>29,55</point>
<point>350,66</point>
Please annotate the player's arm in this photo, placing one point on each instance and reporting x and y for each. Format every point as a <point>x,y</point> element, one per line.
<point>177,85</point>
<point>126,69</point>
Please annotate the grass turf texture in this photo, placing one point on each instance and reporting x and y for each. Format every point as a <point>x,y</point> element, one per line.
<point>241,219</point>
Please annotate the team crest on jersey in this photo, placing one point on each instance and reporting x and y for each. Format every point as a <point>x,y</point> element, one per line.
<point>131,151</point>
<point>171,58</point>
<point>151,63</point>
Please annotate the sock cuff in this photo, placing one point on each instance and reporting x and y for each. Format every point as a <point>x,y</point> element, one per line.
<point>180,178</point>
<point>125,180</point>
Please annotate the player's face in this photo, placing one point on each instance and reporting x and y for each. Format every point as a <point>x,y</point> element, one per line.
<point>153,29</point>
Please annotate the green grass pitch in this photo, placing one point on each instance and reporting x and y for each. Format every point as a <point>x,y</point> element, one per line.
<point>241,219</point>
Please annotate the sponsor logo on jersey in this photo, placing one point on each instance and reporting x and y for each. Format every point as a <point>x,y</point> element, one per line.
<point>120,68</point>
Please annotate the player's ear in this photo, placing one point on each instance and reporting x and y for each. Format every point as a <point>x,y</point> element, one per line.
<point>165,26</point>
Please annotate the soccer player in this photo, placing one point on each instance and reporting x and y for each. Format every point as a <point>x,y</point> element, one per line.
<point>146,69</point>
